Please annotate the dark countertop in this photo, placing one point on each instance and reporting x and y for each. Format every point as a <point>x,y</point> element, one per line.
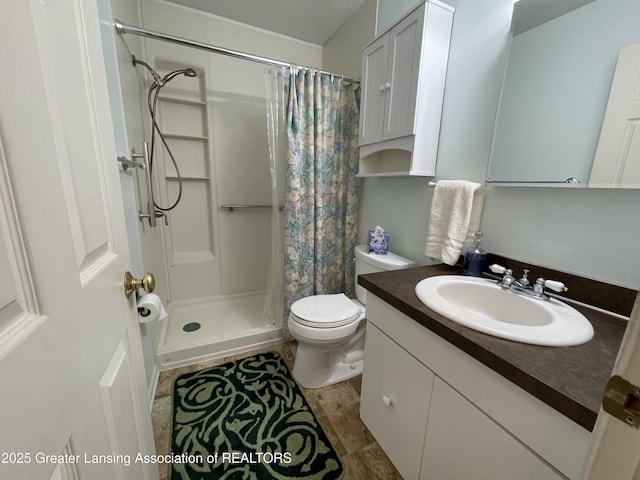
<point>569,379</point>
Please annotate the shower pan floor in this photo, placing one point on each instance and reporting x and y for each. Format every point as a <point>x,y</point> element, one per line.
<point>205,329</point>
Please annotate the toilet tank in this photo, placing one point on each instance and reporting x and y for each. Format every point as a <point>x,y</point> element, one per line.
<point>371,263</point>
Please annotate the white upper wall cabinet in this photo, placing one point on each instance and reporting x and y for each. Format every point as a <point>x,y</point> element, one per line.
<point>374,75</point>
<point>403,76</point>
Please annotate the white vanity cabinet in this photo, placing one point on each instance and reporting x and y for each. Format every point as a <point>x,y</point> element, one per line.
<point>403,76</point>
<point>465,419</point>
<point>395,402</point>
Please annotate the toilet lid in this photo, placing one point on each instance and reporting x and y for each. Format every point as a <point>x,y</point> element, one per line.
<point>325,311</point>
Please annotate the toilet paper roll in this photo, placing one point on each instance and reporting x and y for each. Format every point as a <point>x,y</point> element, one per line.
<point>150,308</point>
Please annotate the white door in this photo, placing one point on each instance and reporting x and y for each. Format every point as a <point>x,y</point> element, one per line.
<point>617,159</point>
<point>72,384</point>
<point>615,452</point>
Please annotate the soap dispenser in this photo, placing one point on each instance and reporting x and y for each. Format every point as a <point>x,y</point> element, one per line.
<point>474,258</point>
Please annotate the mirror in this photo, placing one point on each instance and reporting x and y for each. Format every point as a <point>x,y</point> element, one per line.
<point>555,90</point>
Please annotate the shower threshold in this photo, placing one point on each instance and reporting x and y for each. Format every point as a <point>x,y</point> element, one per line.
<point>214,327</point>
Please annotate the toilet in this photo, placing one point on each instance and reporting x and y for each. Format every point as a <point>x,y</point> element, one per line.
<point>330,328</point>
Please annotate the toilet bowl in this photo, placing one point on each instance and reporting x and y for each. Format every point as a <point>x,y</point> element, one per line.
<point>330,328</point>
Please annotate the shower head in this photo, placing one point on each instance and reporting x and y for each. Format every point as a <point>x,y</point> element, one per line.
<point>187,72</point>
<point>161,81</point>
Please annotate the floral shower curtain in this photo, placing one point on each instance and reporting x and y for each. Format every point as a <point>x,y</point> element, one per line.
<point>321,188</point>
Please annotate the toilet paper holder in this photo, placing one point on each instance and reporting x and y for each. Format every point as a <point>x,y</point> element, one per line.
<point>131,284</point>
<point>150,308</point>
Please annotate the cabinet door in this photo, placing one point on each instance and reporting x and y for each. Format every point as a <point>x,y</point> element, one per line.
<point>405,42</point>
<point>394,402</point>
<point>374,90</point>
<point>462,442</point>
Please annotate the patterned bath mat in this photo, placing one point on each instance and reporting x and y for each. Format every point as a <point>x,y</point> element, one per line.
<point>247,420</point>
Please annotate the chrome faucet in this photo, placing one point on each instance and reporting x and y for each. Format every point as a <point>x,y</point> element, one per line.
<point>523,286</point>
<point>508,279</point>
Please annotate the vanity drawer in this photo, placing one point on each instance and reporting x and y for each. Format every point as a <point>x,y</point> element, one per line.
<point>394,403</point>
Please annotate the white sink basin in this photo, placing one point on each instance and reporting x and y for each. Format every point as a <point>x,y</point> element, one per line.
<point>482,305</point>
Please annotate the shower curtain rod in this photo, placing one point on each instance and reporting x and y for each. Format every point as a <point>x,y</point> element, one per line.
<point>122,28</point>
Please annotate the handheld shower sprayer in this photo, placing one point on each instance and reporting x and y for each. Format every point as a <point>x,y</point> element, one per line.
<point>152,102</point>
<point>162,81</point>
<point>187,72</point>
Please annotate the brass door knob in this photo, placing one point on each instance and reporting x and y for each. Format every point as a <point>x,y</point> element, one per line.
<point>148,282</point>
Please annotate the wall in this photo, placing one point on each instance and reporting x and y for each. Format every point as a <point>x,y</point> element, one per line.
<point>343,52</point>
<point>471,95</point>
<point>586,232</point>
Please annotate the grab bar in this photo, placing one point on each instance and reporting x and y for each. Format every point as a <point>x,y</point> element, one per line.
<point>231,208</point>
<point>568,180</point>
<point>151,213</point>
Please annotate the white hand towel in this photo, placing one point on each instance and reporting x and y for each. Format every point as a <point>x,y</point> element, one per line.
<point>455,216</point>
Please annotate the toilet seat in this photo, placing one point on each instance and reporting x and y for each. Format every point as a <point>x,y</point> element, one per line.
<point>325,311</point>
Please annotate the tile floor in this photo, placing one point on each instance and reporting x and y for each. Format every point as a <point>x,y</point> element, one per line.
<point>336,406</point>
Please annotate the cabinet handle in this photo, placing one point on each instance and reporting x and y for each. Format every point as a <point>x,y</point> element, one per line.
<point>386,400</point>
<point>387,86</point>
<point>382,88</point>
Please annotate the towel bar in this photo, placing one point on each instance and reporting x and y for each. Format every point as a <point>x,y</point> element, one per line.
<point>231,208</point>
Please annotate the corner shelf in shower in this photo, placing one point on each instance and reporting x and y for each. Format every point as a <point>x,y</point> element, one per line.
<point>184,100</point>
<point>182,136</point>
<point>187,178</point>
<point>183,118</point>
<point>192,152</point>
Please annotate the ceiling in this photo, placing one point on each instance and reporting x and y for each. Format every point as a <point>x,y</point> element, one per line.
<point>314,21</point>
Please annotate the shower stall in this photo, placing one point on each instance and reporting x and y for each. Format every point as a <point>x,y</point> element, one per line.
<point>217,241</point>
<point>216,254</point>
